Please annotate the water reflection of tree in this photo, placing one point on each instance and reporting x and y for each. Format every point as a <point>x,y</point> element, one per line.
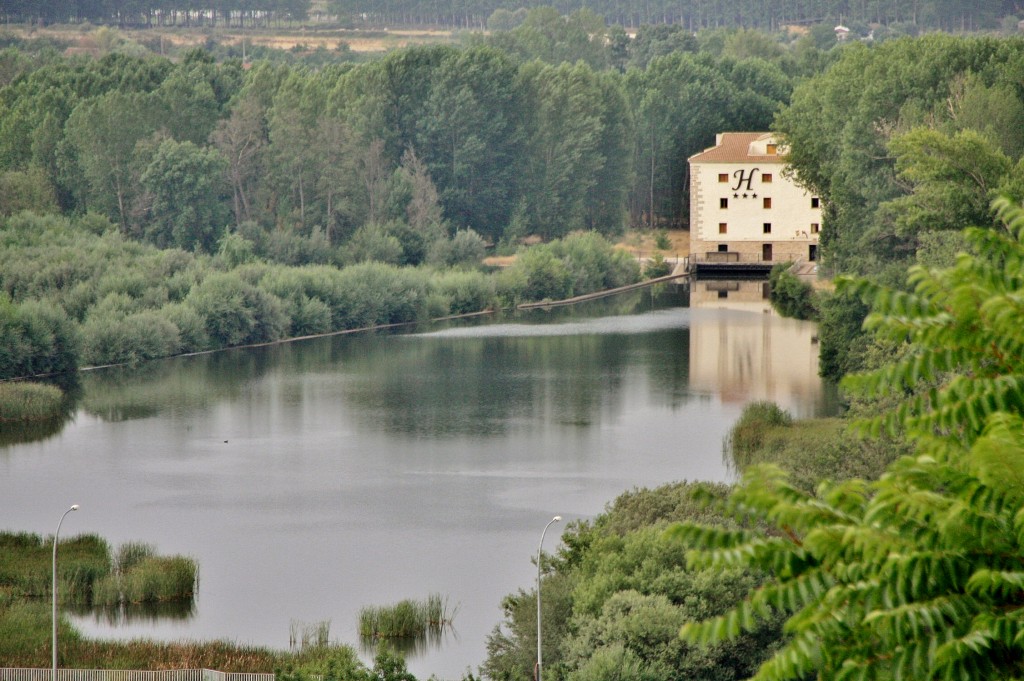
<point>182,384</point>
<point>490,385</point>
<point>477,386</point>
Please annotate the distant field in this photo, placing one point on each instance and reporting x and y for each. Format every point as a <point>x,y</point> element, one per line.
<point>284,39</point>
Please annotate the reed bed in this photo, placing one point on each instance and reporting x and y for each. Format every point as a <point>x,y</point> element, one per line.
<point>20,402</point>
<point>26,561</point>
<point>25,642</point>
<point>407,619</point>
<point>151,579</point>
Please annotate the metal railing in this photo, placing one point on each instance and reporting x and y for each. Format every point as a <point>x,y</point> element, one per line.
<point>730,258</point>
<point>21,674</point>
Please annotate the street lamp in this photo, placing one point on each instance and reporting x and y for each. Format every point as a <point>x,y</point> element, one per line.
<point>74,507</point>
<point>539,549</point>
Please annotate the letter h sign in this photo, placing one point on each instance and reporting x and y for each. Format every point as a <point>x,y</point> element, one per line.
<point>743,179</point>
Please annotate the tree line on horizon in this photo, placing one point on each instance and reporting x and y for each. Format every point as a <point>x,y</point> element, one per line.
<point>692,14</point>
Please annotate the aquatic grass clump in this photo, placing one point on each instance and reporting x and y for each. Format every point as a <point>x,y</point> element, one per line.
<point>20,402</point>
<point>151,579</point>
<point>302,635</point>
<point>407,619</point>
<point>131,554</point>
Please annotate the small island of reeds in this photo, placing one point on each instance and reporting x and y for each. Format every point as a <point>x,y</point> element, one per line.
<point>89,573</point>
<point>408,619</point>
<point>27,402</point>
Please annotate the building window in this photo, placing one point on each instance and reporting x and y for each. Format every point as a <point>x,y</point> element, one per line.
<point>772,149</point>
<point>723,177</point>
<point>722,228</point>
<point>767,228</point>
<point>766,178</point>
<point>723,203</point>
<point>815,202</point>
<point>723,248</point>
<point>767,202</point>
<point>723,294</point>
<point>815,228</point>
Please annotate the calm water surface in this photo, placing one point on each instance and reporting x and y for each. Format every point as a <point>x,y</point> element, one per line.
<point>315,478</point>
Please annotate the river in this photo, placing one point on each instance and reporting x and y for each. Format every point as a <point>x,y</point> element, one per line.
<point>314,478</point>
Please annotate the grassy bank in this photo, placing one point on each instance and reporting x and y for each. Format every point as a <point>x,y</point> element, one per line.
<point>810,450</point>
<point>25,642</point>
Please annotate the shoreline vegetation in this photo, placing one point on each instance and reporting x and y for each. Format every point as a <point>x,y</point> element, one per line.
<point>372,189</point>
<point>92,578</point>
<point>153,303</point>
<point>24,402</point>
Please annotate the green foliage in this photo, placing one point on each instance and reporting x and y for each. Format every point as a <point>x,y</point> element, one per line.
<point>236,312</point>
<point>26,562</point>
<point>581,263</point>
<point>954,178</point>
<point>119,337</point>
<point>915,575</point>
<point>544,276</point>
<point>30,402</point>
<point>809,450</point>
<point>617,594</point>
<point>657,267</point>
<point>842,342</point>
<point>465,292</point>
<point>466,247</point>
<point>408,619</point>
<point>148,579</point>
<point>594,264</point>
<point>748,433</point>
<point>26,190</point>
<point>373,243</point>
<point>960,322</point>
<point>38,339</point>
<point>374,293</point>
<point>790,296</point>
<point>939,108</point>
<point>187,208</point>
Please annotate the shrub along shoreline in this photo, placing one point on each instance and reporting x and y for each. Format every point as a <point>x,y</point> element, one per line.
<point>77,293</point>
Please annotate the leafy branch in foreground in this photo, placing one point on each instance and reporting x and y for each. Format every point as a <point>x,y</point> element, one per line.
<point>964,326</point>
<point>920,574</point>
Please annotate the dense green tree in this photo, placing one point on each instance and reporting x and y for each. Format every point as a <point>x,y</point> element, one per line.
<point>38,339</point>
<point>187,199</point>
<point>470,138</point>
<point>236,312</point>
<point>241,140</point>
<point>26,190</point>
<point>564,158</point>
<point>615,596</point>
<point>101,136</point>
<point>679,103</point>
<point>953,180</point>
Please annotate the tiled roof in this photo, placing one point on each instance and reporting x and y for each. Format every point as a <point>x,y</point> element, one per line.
<point>735,148</point>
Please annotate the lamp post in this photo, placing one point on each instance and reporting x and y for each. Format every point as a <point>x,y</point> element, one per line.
<point>74,507</point>
<point>539,549</point>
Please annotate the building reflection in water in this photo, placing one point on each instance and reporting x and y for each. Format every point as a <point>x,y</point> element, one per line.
<point>754,354</point>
